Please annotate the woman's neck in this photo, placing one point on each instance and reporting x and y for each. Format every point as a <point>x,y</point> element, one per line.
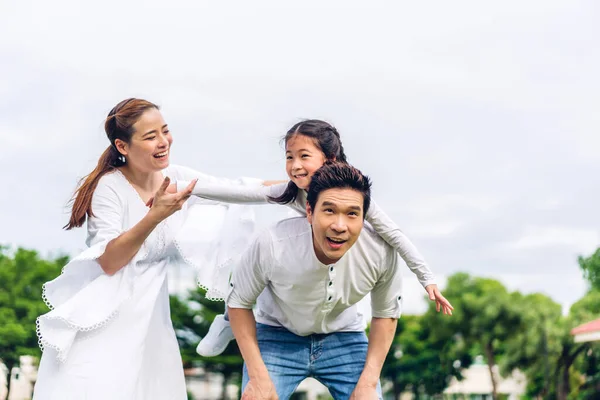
<point>146,181</point>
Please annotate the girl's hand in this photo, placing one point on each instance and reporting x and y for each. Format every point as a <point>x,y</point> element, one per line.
<point>440,301</point>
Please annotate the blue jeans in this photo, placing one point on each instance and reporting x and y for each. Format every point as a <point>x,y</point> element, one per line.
<point>336,360</point>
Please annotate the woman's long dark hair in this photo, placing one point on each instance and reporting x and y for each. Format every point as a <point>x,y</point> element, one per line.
<point>118,125</point>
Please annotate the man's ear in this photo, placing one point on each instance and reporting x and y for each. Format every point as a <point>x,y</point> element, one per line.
<point>308,213</point>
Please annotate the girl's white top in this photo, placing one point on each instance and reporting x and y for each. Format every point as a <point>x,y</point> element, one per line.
<point>383,225</point>
<point>111,337</point>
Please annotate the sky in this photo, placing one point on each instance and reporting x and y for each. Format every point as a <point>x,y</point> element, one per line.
<point>478,123</point>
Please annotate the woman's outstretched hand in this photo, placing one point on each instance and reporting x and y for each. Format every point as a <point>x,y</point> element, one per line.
<point>167,200</point>
<point>172,188</point>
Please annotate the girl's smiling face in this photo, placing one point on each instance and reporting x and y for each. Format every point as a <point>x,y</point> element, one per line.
<point>303,158</point>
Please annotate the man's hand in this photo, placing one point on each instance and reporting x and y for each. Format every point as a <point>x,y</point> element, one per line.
<point>440,301</point>
<point>260,389</point>
<point>363,392</point>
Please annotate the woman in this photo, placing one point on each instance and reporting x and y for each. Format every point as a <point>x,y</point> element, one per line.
<point>308,144</point>
<point>109,334</point>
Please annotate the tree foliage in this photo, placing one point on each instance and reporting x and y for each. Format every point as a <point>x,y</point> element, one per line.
<point>591,268</point>
<point>22,274</point>
<point>192,316</point>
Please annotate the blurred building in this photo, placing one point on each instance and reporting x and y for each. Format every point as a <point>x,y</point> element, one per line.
<point>477,383</point>
<point>22,379</point>
<point>589,332</point>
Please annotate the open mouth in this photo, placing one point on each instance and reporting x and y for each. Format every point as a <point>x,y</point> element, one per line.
<point>335,243</point>
<point>300,176</point>
<point>162,155</point>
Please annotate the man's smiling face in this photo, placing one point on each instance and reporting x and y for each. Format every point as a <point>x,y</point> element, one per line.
<point>337,221</point>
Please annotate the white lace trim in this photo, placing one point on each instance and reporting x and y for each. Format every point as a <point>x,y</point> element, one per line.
<point>44,343</point>
<point>44,290</point>
<point>155,242</point>
<point>212,293</point>
<point>61,354</point>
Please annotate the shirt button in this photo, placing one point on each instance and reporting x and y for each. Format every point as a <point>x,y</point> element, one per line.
<point>399,297</point>
<point>329,298</point>
<point>330,283</point>
<point>331,269</point>
<point>231,284</point>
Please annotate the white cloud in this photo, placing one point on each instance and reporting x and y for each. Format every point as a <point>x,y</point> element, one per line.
<point>537,236</point>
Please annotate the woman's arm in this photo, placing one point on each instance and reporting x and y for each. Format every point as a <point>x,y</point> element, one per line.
<point>121,249</point>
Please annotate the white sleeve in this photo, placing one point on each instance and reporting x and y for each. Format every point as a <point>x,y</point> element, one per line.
<point>186,174</point>
<point>386,296</point>
<point>391,233</point>
<point>242,191</point>
<point>251,273</point>
<point>106,223</point>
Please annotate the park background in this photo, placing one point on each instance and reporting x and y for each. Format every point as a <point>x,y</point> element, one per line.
<point>476,121</point>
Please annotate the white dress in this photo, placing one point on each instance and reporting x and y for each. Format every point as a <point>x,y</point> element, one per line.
<point>111,337</point>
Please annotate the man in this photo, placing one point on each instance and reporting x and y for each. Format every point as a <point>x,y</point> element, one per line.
<point>312,272</point>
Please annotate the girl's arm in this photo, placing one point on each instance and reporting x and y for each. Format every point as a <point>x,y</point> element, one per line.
<point>232,191</point>
<point>391,233</point>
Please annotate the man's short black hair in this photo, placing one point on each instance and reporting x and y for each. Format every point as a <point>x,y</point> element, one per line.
<point>339,175</point>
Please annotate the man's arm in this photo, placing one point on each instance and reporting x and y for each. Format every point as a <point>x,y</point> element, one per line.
<point>243,325</point>
<point>249,279</point>
<point>381,336</point>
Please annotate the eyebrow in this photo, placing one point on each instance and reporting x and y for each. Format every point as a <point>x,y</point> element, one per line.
<point>330,204</point>
<point>288,151</point>
<point>153,131</point>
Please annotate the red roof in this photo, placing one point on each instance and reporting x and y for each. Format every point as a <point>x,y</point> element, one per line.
<point>593,326</point>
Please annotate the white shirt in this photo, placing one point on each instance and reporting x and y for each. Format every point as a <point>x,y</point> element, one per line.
<point>306,296</point>
<point>380,221</point>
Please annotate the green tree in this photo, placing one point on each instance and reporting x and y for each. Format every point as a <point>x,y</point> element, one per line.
<point>22,274</point>
<point>484,316</point>
<point>192,316</point>
<point>584,310</point>
<point>423,355</point>
<point>536,347</point>
<point>588,365</point>
<point>591,268</point>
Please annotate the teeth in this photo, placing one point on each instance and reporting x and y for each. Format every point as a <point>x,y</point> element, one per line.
<point>164,153</point>
<point>337,240</point>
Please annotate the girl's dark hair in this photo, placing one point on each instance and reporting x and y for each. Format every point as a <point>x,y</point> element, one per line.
<point>325,137</point>
<point>118,125</point>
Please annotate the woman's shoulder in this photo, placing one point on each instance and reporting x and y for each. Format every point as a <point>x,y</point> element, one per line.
<point>111,178</point>
<point>113,183</point>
